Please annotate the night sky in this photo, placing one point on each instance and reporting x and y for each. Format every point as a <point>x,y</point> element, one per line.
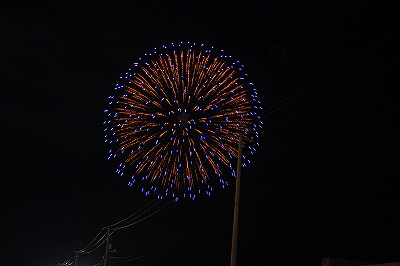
<point>325,182</point>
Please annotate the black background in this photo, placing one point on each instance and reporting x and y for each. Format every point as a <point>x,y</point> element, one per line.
<point>327,172</point>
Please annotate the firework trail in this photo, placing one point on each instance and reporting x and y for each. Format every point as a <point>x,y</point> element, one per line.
<point>171,119</point>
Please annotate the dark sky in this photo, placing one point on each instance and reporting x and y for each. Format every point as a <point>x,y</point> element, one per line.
<point>325,182</point>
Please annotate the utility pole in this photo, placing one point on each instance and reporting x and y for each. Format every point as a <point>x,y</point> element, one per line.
<point>237,195</point>
<point>106,253</point>
<point>108,246</point>
<point>76,257</point>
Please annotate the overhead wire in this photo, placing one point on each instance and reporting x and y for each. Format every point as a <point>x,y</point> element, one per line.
<point>115,225</point>
<point>99,263</point>
<point>330,97</point>
<point>94,245</point>
<point>138,217</point>
<point>135,217</point>
<point>68,262</point>
<point>321,102</point>
<point>321,178</point>
<point>133,222</point>
<point>301,92</point>
<point>91,244</point>
<point>99,244</point>
<point>124,259</point>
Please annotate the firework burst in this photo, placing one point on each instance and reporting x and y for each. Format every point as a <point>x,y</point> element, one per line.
<point>171,119</point>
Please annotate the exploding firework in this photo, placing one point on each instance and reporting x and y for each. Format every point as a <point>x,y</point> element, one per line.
<point>172,118</point>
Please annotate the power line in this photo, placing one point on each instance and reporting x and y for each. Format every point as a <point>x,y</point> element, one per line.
<point>115,225</point>
<point>289,100</point>
<point>94,239</point>
<point>91,246</point>
<point>99,263</point>
<point>151,251</point>
<point>321,178</point>
<point>139,220</point>
<point>68,262</point>
<point>327,99</point>
<point>138,215</point>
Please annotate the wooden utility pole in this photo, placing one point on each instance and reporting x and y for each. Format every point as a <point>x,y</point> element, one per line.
<point>237,195</point>
<point>236,209</point>
<point>106,253</point>
<point>76,257</point>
